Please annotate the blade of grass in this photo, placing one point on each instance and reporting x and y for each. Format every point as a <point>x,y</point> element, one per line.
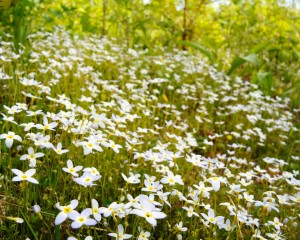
<point>30,227</point>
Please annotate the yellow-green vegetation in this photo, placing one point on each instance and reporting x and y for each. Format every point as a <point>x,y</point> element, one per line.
<point>256,40</point>
<point>112,133</point>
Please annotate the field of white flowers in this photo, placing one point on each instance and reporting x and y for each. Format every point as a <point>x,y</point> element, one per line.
<point>101,142</point>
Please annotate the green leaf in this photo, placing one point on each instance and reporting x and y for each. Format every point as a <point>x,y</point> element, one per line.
<point>199,47</point>
<point>259,47</point>
<point>295,88</point>
<point>265,81</point>
<point>252,58</point>
<point>211,42</point>
<point>141,25</point>
<point>238,61</point>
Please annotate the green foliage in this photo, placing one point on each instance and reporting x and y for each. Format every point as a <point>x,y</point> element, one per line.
<point>244,38</point>
<point>238,61</point>
<point>270,31</point>
<point>201,48</point>
<point>265,81</point>
<point>17,17</point>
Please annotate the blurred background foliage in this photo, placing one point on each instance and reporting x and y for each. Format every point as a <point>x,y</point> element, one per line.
<point>257,40</point>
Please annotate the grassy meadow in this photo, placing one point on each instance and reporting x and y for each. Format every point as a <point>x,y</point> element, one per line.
<point>101,140</point>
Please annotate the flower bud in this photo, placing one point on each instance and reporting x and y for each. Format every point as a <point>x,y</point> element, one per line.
<point>295,224</point>
<point>16,219</point>
<point>179,236</point>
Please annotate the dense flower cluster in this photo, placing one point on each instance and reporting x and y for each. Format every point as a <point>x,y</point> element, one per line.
<point>140,141</point>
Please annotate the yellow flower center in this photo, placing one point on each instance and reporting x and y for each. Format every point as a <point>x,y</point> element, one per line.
<point>95,210</point>
<point>87,179</point>
<point>67,210</point>
<point>229,137</point>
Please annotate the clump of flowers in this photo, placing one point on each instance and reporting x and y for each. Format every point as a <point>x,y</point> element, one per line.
<point>162,146</point>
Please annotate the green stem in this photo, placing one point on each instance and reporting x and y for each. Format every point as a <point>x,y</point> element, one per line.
<point>30,227</point>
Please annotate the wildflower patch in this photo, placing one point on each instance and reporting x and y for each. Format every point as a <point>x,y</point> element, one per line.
<point>140,144</point>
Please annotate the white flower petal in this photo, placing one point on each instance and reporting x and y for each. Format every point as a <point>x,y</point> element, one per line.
<point>61,217</point>
<point>9,142</point>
